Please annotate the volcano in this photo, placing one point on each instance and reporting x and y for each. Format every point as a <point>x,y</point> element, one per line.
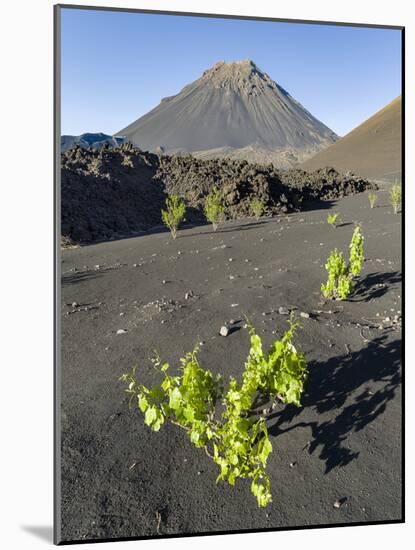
<point>235,110</point>
<point>372,150</point>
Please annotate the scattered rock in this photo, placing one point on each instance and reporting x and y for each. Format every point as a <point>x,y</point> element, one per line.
<point>339,503</point>
<point>75,304</point>
<point>121,331</point>
<point>282,310</point>
<point>224,331</point>
<point>304,315</point>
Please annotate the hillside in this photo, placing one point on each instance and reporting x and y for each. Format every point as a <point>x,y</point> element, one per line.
<point>372,150</point>
<point>94,140</point>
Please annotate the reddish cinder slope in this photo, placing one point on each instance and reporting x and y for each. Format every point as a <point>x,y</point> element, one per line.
<point>372,150</point>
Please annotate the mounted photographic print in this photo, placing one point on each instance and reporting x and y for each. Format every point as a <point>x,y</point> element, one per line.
<point>228,274</point>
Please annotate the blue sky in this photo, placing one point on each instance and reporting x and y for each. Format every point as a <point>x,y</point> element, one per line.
<point>116,66</point>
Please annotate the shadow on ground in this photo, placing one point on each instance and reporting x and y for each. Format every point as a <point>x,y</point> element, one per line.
<point>376,285</point>
<point>79,277</point>
<point>194,219</point>
<point>315,204</point>
<point>329,388</point>
<point>43,532</point>
<point>344,224</point>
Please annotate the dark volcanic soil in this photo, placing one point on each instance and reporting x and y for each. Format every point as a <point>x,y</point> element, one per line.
<point>109,193</point>
<point>119,479</point>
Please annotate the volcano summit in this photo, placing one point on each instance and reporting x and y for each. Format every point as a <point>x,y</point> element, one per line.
<point>233,110</point>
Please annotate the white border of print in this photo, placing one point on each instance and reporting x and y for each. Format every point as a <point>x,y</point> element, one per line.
<point>26,219</point>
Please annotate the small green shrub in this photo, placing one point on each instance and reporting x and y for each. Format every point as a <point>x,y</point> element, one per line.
<point>214,209</point>
<point>340,282</point>
<point>257,207</point>
<point>235,435</point>
<point>356,252</point>
<point>332,219</point>
<point>395,197</point>
<point>373,198</point>
<point>174,214</point>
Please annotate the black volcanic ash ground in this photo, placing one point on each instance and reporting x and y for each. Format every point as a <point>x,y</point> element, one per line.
<point>337,459</point>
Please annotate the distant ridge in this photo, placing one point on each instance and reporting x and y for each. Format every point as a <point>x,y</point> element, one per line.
<point>90,140</point>
<point>372,150</point>
<point>233,109</point>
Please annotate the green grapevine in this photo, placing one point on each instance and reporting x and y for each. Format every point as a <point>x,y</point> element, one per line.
<point>332,219</point>
<point>339,284</point>
<point>373,198</point>
<point>174,214</point>
<point>257,207</point>
<point>395,197</point>
<point>340,281</point>
<point>214,209</point>
<point>356,252</point>
<point>235,437</point>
